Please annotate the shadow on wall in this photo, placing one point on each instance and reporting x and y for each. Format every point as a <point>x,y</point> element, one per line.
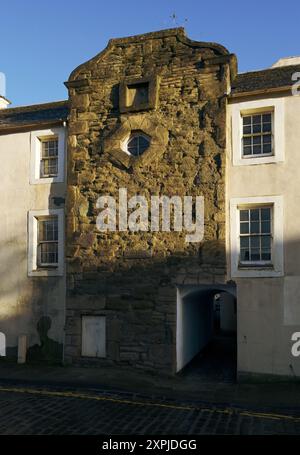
<point>31,306</point>
<point>138,299</point>
<point>48,350</point>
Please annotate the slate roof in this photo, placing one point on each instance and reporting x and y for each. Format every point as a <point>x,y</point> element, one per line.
<point>37,114</point>
<point>271,78</point>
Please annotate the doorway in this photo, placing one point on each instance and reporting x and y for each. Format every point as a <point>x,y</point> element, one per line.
<point>206,345</point>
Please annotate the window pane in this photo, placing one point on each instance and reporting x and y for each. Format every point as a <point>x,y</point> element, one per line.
<point>245,255</point>
<point>137,144</point>
<point>247,151</point>
<point>267,148</point>
<point>49,253</point>
<point>265,227</point>
<point>244,215</point>
<point>257,128</point>
<point>48,229</point>
<point>254,242</point>
<point>50,148</point>
<point>244,228</point>
<point>257,140</point>
<point>254,228</point>
<point>267,139</point>
<point>244,242</point>
<point>265,214</point>
<point>247,129</point>
<point>256,119</point>
<point>254,214</point>
<point>267,127</point>
<point>266,118</point>
<point>143,144</point>
<point>247,140</point>
<point>266,242</point>
<point>257,150</point>
<point>255,255</point>
<point>247,120</point>
<point>266,255</point>
<point>49,167</point>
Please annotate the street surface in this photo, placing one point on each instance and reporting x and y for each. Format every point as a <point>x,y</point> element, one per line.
<point>32,410</point>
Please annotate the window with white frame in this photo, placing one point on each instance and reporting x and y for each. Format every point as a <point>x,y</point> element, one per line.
<point>45,242</point>
<point>256,236</point>
<point>48,241</point>
<point>258,131</point>
<point>257,137</point>
<point>47,156</point>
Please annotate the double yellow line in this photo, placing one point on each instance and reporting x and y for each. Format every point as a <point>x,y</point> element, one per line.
<point>85,396</point>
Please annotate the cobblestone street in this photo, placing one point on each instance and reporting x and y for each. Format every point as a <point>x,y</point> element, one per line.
<point>27,411</point>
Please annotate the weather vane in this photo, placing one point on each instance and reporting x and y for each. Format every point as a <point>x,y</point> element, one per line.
<point>174,18</point>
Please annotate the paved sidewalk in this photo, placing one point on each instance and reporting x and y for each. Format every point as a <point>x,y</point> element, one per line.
<point>276,397</point>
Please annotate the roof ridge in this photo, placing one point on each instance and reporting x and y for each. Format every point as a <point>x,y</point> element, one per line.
<point>38,106</point>
<point>268,69</point>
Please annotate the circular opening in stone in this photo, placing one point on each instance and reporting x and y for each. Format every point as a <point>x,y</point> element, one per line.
<point>137,143</point>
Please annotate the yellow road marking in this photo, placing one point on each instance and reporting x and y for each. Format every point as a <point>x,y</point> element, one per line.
<point>84,396</point>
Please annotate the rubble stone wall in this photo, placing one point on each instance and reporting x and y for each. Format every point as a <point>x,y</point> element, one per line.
<point>130,277</point>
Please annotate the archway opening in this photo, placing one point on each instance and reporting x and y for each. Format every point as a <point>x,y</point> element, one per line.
<point>206,346</point>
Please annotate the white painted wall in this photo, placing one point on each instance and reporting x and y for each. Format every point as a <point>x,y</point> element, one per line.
<point>268,307</point>
<point>194,327</point>
<point>227,312</point>
<point>24,299</point>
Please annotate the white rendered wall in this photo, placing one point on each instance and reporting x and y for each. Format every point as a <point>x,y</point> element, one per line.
<point>24,299</point>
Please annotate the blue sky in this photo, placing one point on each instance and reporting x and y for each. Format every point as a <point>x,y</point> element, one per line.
<point>42,41</point>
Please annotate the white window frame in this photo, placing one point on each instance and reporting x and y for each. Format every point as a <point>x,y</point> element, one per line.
<point>257,269</point>
<point>238,110</point>
<point>33,268</point>
<point>36,138</point>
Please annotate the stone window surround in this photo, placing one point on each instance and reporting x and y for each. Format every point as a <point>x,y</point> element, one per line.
<point>238,110</point>
<point>159,136</point>
<point>35,155</point>
<point>33,269</point>
<point>153,91</point>
<point>277,268</point>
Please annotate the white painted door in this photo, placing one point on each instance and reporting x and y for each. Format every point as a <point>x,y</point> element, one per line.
<point>93,336</point>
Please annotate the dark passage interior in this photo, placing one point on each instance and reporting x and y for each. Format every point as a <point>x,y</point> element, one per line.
<point>206,334</point>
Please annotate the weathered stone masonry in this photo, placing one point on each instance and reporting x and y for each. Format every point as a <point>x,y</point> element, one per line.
<point>132,278</point>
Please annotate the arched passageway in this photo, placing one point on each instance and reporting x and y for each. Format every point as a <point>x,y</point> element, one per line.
<point>206,332</point>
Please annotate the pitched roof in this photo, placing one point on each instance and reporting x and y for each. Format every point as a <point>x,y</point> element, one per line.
<point>271,78</point>
<point>35,115</point>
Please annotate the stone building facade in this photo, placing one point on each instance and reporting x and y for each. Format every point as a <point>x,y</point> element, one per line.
<point>156,116</point>
<point>173,91</point>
